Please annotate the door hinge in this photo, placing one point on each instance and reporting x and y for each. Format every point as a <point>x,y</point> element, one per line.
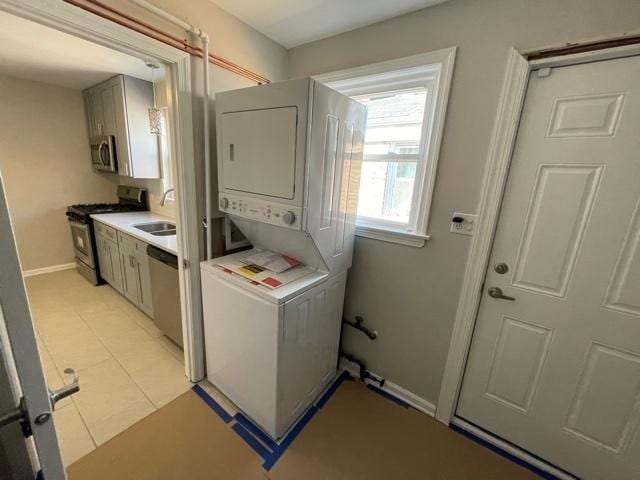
<point>185,263</point>
<point>18,414</point>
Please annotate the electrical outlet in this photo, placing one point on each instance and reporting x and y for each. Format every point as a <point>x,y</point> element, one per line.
<point>463,223</point>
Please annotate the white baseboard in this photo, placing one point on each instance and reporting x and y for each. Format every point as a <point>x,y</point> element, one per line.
<point>51,269</point>
<point>412,399</point>
<point>511,449</point>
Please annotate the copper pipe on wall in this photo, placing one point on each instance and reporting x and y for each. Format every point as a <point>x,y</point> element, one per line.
<point>109,13</point>
<point>197,51</point>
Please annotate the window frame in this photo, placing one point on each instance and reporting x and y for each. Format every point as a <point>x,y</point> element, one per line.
<point>421,159</point>
<point>434,69</point>
<point>164,149</point>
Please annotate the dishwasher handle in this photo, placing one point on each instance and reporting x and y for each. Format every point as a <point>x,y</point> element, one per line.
<point>162,256</point>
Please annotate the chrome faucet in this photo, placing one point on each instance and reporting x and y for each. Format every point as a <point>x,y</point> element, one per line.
<point>164,196</point>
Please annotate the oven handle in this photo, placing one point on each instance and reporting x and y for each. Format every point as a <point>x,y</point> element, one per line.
<point>84,226</point>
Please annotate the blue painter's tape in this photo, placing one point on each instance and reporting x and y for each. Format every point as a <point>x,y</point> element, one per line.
<point>255,431</point>
<point>388,396</point>
<point>332,389</point>
<point>252,441</point>
<point>538,471</point>
<point>295,431</point>
<point>215,406</point>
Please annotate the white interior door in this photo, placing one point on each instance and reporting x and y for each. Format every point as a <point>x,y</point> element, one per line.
<point>22,372</point>
<point>556,371</point>
<point>15,463</point>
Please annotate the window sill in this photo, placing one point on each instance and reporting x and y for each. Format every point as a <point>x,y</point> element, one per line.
<point>392,236</point>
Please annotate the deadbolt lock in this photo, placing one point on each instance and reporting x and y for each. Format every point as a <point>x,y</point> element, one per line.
<point>501,268</point>
<point>42,418</point>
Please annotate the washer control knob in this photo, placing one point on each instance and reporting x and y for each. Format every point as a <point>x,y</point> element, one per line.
<point>224,202</point>
<point>289,217</point>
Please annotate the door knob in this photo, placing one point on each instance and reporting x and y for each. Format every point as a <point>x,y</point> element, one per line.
<point>19,414</point>
<point>496,292</point>
<point>56,395</point>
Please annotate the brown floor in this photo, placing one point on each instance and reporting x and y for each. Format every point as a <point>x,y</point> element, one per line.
<point>357,434</point>
<point>182,440</point>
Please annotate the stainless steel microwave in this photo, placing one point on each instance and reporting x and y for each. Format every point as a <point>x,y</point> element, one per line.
<point>103,153</point>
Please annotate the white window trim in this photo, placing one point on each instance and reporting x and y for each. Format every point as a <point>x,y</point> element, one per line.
<point>392,235</point>
<point>438,63</point>
<point>166,162</point>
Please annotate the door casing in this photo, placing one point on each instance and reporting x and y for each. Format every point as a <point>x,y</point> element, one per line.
<point>493,186</point>
<point>75,21</point>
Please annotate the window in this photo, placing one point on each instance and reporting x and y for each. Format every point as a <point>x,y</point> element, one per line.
<point>406,103</point>
<point>165,154</point>
<point>392,151</point>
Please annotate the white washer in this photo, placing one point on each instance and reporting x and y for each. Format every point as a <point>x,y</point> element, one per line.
<point>289,160</point>
<point>272,351</point>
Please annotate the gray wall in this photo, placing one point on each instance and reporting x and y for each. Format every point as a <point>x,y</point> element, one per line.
<point>45,163</point>
<point>410,294</point>
<point>230,38</point>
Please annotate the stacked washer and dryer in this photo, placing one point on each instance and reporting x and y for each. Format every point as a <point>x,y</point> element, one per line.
<point>289,160</point>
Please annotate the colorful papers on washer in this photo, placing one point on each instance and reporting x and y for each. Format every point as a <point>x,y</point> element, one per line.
<point>276,262</point>
<point>263,276</point>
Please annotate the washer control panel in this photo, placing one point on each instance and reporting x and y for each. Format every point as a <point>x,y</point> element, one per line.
<point>281,215</point>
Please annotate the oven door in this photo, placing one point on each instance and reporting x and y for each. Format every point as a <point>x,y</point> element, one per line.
<point>83,248</point>
<point>103,155</point>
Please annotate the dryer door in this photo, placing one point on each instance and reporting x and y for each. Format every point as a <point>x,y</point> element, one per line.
<point>259,151</point>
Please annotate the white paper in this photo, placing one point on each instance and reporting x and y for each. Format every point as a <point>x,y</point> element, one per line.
<point>275,262</point>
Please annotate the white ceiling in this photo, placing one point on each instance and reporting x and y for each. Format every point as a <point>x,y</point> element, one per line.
<point>34,52</point>
<point>294,22</point>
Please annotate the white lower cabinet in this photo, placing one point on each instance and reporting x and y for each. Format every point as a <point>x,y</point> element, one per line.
<point>124,265</point>
<point>113,257</point>
<point>108,255</point>
<point>126,246</point>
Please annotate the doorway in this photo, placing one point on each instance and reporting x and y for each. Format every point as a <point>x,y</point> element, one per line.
<point>98,327</point>
<point>554,363</point>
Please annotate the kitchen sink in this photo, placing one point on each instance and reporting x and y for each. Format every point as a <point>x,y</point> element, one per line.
<point>163,233</point>
<point>160,229</point>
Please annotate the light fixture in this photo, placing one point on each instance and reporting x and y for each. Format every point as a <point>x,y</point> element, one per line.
<point>155,114</point>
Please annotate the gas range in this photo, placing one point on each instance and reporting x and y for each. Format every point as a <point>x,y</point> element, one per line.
<point>130,199</point>
<point>82,212</point>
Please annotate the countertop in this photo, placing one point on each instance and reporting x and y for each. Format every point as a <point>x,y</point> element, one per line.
<point>125,223</point>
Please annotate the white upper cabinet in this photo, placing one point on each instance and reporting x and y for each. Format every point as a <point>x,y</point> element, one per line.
<point>120,107</point>
<point>259,151</point>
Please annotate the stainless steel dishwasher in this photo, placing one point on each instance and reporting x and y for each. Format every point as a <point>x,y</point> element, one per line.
<point>165,292</point>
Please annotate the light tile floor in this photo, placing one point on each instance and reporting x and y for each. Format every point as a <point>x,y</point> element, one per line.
<point>127,367</point>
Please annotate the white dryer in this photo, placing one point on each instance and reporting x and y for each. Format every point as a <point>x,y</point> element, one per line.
<point>289,160</point>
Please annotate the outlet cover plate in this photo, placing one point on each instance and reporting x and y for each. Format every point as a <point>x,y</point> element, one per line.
<point>467,226</point>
